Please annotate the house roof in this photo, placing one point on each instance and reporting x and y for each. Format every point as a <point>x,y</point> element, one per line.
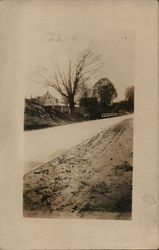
<point>48,94</point>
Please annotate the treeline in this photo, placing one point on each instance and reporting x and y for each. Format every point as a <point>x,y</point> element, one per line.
<point>100,99</point>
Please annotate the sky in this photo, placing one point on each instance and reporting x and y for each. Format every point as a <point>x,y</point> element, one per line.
<point>55,32</point>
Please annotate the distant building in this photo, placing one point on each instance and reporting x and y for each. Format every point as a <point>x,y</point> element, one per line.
<point>48,100</point>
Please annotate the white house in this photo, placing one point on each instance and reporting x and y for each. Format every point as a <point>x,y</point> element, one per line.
<point>48,100</point>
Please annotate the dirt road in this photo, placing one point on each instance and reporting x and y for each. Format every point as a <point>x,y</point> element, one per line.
<point>44,144</point>
<point>90,180</point>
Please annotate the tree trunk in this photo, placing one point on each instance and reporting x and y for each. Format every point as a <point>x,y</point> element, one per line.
<point>71,105</point>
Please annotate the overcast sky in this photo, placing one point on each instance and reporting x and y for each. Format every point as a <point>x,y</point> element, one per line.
<point>54,32</point>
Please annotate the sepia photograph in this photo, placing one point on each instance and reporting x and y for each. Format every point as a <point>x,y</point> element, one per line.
<point>78,116</point>
<point>79,124</point>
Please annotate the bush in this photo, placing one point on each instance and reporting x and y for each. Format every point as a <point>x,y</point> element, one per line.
<point>89,106</point>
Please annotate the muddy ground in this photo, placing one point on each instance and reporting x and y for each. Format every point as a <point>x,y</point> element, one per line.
<point>92,180</point>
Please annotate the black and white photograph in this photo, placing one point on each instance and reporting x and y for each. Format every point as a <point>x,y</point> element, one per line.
<point>78,116</point>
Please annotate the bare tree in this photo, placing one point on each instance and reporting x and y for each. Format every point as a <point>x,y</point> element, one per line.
<point>85,91</point>
<point>69,82</point>
<point>129,97</point>
<point>129,93</point>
